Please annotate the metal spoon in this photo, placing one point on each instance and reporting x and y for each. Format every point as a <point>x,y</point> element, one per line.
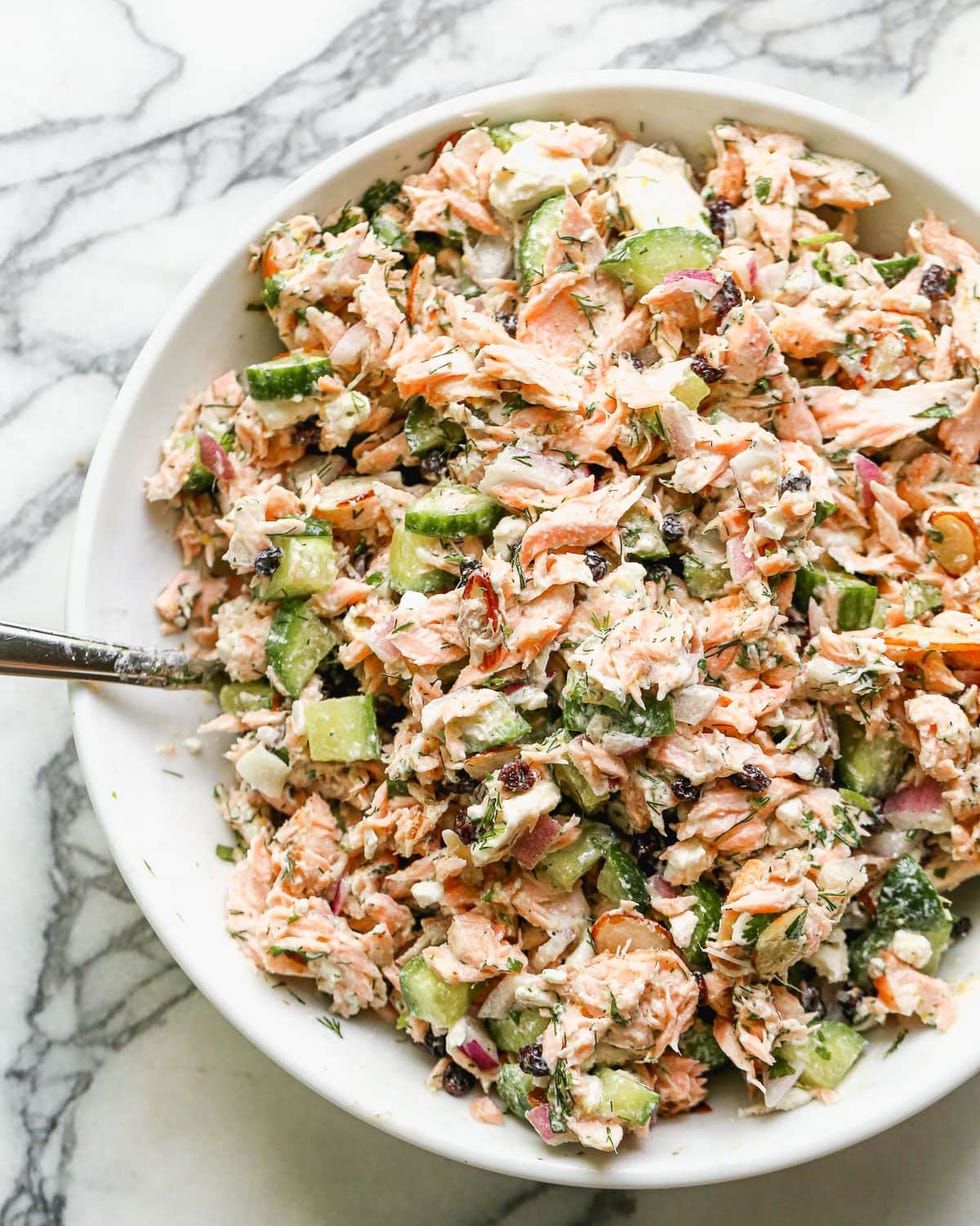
<point>40,653</point>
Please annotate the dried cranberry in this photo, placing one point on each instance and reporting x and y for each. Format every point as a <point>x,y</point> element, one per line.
<point>934,283</point>
<point>718,210</point>
<point>658,570</point>
<point>457,1081</point>
<point>810,998</point>
<point>464,828</point>
<point>850,1001</point>
<point>647,848</point>
<point>728,296</point>
<point>637,362</point>
<point>596,563</point>
<point>962,927</point>
<point>751,779</point>
<point>508,321</point>
<point>267,560</point>
<point>672,529</point>
<point>517,776</point>
<point>704,370</point>
<point>821,776</point>
<point>307,433</point>
<point>434,1044</point>
<point>702,983</point>
<point>684,789</point>
<point>531,1060</point>
<point>797,480</point>
<point>467,567</point>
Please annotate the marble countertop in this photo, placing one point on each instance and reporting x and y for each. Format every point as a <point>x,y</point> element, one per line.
<point>133,136</point>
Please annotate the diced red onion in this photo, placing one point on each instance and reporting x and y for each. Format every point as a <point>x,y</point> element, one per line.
<point>480,1057</point>
<point>540,1120</point>
<point>489,259</point>
<point>702,275</point>
<point>348,350</point>
<point>919,807</point>
<point>679,426</point>
<point>740,562</point>
<point>867,471</point>
<point>530,847</point>
<point>660,887</point>
<point>214,457</point>
<point>695,704</point>
<point>339,897</point>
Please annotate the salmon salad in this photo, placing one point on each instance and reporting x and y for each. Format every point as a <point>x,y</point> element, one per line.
<point>595,576</point>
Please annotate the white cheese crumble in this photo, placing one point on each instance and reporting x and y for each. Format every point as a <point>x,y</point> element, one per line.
<point>655,190</point>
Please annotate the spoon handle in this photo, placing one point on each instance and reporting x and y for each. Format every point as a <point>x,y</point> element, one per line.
<point>41,653</point>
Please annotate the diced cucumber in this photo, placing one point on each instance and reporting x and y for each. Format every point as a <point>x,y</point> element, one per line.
<point>871,766</point>
<point>641,537</point>
<point>707,908</point>
<point>644,260</point>
<point>576,787</point>
<point>542,227</point>
<point>390,232</point>
<point>626,1097</point>
<point>698,1042</point>
<point>454,511</point>
<point>429,997</point>
<point>408,570</point>
<point>704,582</point>
<point>620,879</point>
<point>896,269</point>
<point>497,724</point>
<point>582,702</point>
<point>908,899</point>
<point>425,431</point>
<point>691,390</point>
<point>855,599</point>
<point>514,1086</point>
<point>342,729</point>
<point>503,135</point>
<point>563,868</point>
<point>518,1030</point>
<point>295,374</point>
<point>308,565</point>
<point>831,1049</point>
<point>919,598</point>
<point>297,642</point>
<point>240,697</point>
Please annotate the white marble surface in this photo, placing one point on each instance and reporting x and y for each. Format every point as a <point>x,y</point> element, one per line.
<point>131,137</point>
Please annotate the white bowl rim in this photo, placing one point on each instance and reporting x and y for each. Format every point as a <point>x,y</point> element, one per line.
<point>852,1128</point>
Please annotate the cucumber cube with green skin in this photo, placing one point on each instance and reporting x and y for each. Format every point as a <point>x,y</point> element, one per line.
<point>425,431</point>
<point>641,537</point>
<point>497,724</point>
<point>582,702</point>
<point>707,908</point>
<point>704,582</point>
<point>514,1087</point>
<point>698,1042</point>
<point>620,879</point>
<point>691,390</point>
<point>454,511</point>
<point>644,260</point>
<point>854,598</point>
<point>830,1051</point>
<point>297,642</point>
<point>294,374</point>
<point>241,697</point>
<point>308,565</point>
<point>518,1030</point>
<point>408,569</point>
<point>576,787</point>
<point>896,269</point>
<point>342,729</point>
<point>919,598</point>
<point>542,227</point>
<point>565,867</point>
<point>907,900</point>
<point>871,766</point>
<point>428,997</point>
<point>626,1097</point>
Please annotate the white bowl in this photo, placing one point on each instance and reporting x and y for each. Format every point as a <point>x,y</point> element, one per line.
<point>163,829</point>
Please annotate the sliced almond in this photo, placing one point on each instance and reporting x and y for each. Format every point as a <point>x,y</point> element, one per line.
<point>912,640</point>
<point>616,930</point>
<point>953,541</point>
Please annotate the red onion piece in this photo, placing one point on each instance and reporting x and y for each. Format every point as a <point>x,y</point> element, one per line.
<point>479,1055</point>
<point>339,897</point>
<point>867,471</point>
<point>740,562</point>
<point>660,887</point>
<point>679,426</point>
<point>919,807</point>
<point>347,351</point>
<point>702,277</point>
<point>530,847</point>
<point>214,457</point>
<point>540,1120</point>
